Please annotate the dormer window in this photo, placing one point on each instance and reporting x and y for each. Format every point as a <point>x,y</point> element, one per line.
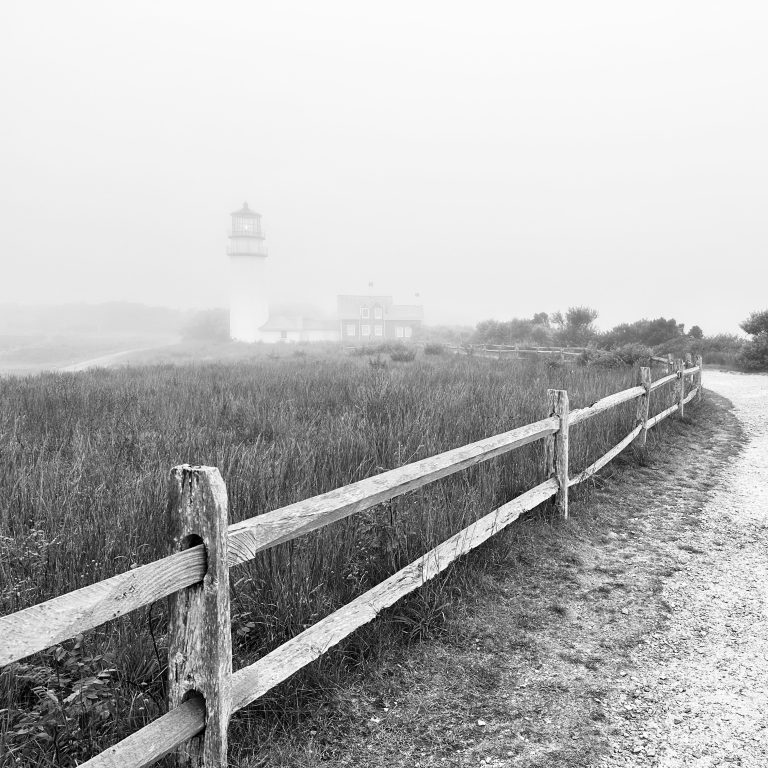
<point>365,313</point>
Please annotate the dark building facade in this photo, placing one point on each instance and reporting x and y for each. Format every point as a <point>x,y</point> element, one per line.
<point>365,319</point>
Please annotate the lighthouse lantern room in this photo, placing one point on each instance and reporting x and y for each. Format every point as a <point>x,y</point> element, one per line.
<point>248,299</point>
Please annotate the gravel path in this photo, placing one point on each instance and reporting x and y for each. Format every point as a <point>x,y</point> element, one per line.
<point>712,661</point>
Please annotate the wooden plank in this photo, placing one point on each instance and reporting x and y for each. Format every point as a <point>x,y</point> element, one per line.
<point>255,680</point>
<point>558,448</point>
<point>661,382</point>
<point>199,629</point>
<point>256,534</point>
<point>691,371</point>
<point>582,414</point>
<point>603,460</point>
<point>652,422</point>
<point>643,404</point>
<point>700,366</point>
<point>147,745</point>
<point>691,395</point>
<point>34,629</point>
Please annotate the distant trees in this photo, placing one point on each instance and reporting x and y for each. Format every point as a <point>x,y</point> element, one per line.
<point>648,332</point>
<point>518,330</point>
<point>756,323</point>
<point>208,325</point>
<point>576,327</point>
<point>627,342</point>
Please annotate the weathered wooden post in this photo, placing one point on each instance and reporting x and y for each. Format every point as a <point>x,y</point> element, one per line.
<point>680,367</point>
<point>643,405</point>
<point>562,355</point>
<point>670,363</point>
<point>688,360</point>
<point>199,634</point>
<point>557,449</point>
<point>700,366</point>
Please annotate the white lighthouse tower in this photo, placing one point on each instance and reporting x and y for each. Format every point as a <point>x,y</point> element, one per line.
<point>248,299</point>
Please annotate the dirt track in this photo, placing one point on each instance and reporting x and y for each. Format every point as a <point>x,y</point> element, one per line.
<point>713,659</point>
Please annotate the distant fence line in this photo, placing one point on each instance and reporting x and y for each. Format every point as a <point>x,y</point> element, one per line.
<point>203,689</point>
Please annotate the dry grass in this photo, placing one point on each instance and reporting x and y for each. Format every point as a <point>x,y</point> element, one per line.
<point>82,494</point>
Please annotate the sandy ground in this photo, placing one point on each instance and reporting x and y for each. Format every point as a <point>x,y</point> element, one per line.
<point>713,659</point>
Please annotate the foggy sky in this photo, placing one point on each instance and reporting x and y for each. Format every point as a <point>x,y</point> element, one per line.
<point>497,158</point>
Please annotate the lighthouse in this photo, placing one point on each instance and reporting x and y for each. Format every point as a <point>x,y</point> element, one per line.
<point>248,298</point>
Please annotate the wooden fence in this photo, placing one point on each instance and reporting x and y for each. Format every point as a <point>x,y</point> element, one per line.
<point>203,690</point>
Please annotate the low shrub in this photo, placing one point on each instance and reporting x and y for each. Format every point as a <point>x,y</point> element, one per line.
<point>404,355</point>
<point>434,348</point>
<point>634,354</point>
<point>754,355</point>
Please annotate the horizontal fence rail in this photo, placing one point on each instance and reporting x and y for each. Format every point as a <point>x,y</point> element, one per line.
<point>190,720</point>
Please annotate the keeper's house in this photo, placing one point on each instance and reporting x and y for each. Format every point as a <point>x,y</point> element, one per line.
<point>377,318</point>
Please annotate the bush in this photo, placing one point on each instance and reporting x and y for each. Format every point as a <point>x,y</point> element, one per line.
<point>601,358</point>
<point>404,355</point>
<point>632,354</point>
<point>754,356</point>
<point>435,348</point>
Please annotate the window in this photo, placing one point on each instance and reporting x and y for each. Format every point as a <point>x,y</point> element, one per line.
<point>350,329</point>
<point>365,313</point>
<point>377,313</point>
<point>408,331</point>
<point>399,331</point>
<point>378,330</point>
<point>365,330</point>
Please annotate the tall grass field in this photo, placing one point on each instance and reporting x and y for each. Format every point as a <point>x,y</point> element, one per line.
<point>84,461</point>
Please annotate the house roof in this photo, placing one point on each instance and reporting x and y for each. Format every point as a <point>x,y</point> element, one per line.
<point>349,305</point>
<point>298,317</point>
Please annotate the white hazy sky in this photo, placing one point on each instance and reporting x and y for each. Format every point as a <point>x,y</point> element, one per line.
<point>497,158</point>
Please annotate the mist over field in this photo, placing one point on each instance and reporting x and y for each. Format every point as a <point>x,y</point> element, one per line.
<point>498,160</point>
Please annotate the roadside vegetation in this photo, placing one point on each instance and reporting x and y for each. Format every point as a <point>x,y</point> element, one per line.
<point>627,343</point>
<point>85,460</point>
<point>754,355</point>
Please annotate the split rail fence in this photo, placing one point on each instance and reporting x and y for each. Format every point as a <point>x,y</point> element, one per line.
<point>203,689</point>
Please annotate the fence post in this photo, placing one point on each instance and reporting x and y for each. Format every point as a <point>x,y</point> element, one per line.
<point>199,634</point>
<point>700,365</point>
<point>643,404</point>
<point>688,360</point>
<point>680,367</point>
<point>670,363</point>
<point>557,448</point>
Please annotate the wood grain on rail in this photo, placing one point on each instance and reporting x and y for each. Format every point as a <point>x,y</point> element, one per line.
<point>255,680</point>
<point>34,629</point>
<point>155,740</point>
<point>603,460</point>
<point>661,416</point>
<point>258,533</point>
<point>665,380</point>
<point>581,414</point>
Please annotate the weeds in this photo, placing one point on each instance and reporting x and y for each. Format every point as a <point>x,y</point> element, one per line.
<point>85,461</point>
